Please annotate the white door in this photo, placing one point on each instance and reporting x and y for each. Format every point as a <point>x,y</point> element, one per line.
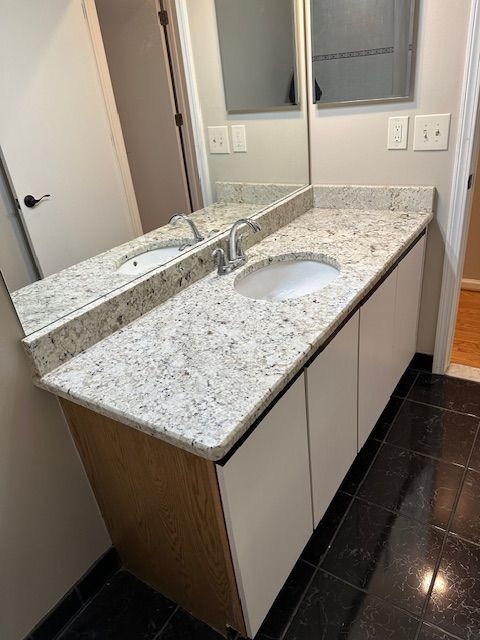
<point>332,415</point>
<point>55,134</point>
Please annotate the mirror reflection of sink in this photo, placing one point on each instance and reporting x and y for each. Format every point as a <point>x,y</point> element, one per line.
<point>286,279</point>
<point>148,260</point>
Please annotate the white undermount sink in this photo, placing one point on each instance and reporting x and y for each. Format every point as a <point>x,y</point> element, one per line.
<point>286,279</point>
<point>148,260</point>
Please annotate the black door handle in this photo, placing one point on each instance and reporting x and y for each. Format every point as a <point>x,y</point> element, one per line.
<point>31,202</point>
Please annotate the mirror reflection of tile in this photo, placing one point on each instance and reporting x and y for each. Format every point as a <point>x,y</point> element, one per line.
<point>362,51</point>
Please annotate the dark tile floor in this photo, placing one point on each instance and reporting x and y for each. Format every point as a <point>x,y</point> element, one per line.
<point>396,557</point>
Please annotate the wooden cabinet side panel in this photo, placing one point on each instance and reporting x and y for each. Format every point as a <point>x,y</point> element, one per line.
<point>376,371</point>
<point>332,415</point>
<point>163,510</point>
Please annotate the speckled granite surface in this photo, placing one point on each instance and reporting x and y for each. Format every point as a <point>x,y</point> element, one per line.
<point>367,197</point>
<point>62,340</point>
<point>254,192</point>
<point>62,293</point>
<point>199,369</point>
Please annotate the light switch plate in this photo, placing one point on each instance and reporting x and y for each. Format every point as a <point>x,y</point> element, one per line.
<point>398,132</point>
<point>239,138</point>
<point>432,132</point>
<point>218,141</point>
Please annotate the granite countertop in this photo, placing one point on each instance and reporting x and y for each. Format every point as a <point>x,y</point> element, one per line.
<point>200,368</point>
<point>54,297</point>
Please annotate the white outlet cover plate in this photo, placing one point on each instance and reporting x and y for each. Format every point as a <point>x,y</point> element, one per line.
<point>218,140</point>
<point>398,132</point>
<point>432,132</point>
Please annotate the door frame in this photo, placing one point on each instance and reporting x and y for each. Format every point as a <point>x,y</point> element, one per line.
<point>198,130</point>
<point>192,176</point>
<point>91,17</point>
<point>181,80</point>
<point>460,201</point>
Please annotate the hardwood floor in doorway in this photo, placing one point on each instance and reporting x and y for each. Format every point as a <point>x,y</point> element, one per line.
<point>466,346</point>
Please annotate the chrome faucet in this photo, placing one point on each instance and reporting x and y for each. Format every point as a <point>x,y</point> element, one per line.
<point>197,236</point>
<point>236,254</point>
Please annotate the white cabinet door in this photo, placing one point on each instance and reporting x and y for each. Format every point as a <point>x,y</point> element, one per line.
<point>409,288</point>
<point>332,415</point>
<point>376,370</point>
<point>266,496</point>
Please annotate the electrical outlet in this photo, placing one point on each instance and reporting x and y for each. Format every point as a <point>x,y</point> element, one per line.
<point>432,132</point>
<point>218,141</point>
<point>398,132</point>
<point>239,138</point>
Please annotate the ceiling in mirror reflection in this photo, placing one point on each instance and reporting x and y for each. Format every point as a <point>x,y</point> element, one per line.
<point>111,115</point>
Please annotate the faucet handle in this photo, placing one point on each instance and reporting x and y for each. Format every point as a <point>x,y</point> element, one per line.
<point>223,266</point>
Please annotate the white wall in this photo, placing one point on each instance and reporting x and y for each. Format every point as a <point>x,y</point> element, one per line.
<point>50,528</point>
<point>349,144</point>
<point>277,142</point>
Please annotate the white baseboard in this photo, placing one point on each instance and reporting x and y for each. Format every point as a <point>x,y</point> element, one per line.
<point>470,285</point>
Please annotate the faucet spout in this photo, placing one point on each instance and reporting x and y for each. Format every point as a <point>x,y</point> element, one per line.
<point>234,241</point>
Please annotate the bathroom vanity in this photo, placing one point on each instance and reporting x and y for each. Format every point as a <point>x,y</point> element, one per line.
<point>222,335</point>
<point>216,428</point>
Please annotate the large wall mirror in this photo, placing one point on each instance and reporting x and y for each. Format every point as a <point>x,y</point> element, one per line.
<point>114,118</point>
<point>363,50</point>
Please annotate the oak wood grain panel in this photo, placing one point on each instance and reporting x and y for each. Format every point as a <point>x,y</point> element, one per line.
<point>163,510</point>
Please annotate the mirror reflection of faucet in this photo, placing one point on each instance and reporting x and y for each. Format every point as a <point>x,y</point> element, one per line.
<point>197,236</point>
